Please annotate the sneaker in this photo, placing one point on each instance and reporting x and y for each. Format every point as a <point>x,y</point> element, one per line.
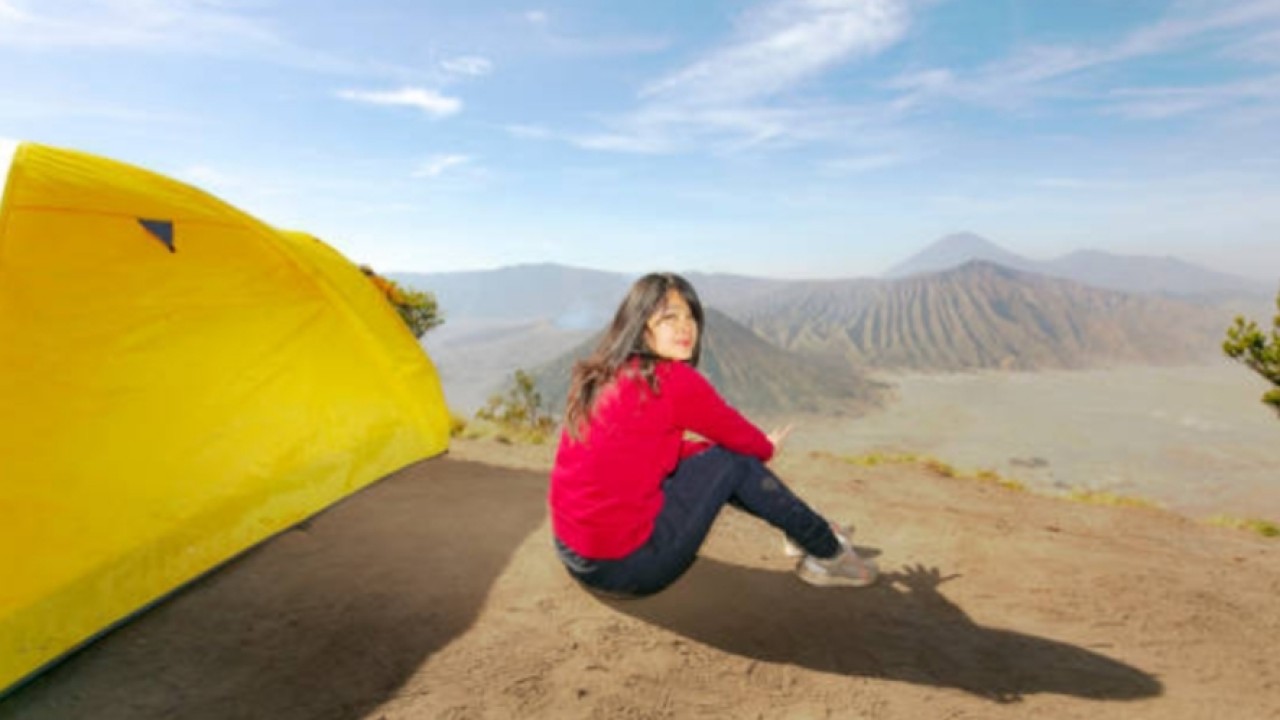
<point>845,569</point>
<point>791,548</point>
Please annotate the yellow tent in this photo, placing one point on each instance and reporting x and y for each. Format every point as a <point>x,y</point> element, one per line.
<point>178,381</point>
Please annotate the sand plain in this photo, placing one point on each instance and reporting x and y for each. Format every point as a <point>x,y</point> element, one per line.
<point>1194,439</point>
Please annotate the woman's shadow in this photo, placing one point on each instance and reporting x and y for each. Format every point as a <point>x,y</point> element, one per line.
<point>900,629</point>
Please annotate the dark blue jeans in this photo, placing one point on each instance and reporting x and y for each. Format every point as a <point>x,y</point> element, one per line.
<point>693,496</point>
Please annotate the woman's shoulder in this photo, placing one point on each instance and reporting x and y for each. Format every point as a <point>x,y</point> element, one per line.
<point>679,373</point>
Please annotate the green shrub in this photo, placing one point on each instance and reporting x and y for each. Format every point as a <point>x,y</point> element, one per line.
<point>518,415</point>
<point>1258,351</point>
<point>417,309</point>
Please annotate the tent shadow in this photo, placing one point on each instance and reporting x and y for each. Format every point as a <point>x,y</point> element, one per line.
<point>326,620</point>
<point>901,629</point>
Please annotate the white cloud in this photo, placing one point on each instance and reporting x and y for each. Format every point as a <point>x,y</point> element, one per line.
<point>1158,103</point>
<point>1164,102</point>
<point>437,165</point>
<point>1261,48</point>
<point>1038,71</point>
<point>562,41</point>
<point>863,164</point>
<point>782,45</point>
<point>637,143</point>
<point>145,24</point>
<point>1082,184</point>
<point>735,96</point>
<point>10,13</point>
<point>62,108</point>
<point>535,132</point>
<point>607,45</point>
<point>429,101</point>
<point>657,129</point>
<point>192,27</point>
<point>471,65</point>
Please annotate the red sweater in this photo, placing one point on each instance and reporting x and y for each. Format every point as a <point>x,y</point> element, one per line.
<point>606,487</point>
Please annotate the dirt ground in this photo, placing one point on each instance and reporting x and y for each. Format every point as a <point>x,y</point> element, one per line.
<point>434,594</point>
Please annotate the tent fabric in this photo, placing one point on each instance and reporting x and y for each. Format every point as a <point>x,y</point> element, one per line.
<point>165,405</point>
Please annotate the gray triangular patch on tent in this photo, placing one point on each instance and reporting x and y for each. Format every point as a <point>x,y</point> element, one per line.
<point>162,230</point>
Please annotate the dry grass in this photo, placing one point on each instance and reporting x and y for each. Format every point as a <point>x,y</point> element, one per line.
<point>873,459</point>
<point>457,424</point>
<point>932,464</point>
<point>505,433</point>
<point>1110,499</point>
<point>995,478</point>
<point>1265,528</point>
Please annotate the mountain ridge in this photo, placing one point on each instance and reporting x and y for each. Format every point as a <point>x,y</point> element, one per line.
<point>980,316</point>
<point>752,374</point>
<point>983,316</point>
<point>1166,275</point>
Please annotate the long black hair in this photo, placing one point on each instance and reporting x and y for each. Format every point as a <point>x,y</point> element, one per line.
<point>624,340</point>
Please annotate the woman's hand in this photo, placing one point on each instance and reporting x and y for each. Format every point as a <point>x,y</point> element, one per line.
<point>779,435</point>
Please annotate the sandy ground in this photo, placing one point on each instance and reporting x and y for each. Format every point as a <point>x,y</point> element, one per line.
<point>434,594</point>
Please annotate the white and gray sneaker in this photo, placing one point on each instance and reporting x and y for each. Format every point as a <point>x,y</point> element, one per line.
<point>791,548</point>
<point>845,569</point>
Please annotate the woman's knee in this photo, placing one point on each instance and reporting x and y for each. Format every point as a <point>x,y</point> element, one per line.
<point>738,461</point>
<point>753,470</point>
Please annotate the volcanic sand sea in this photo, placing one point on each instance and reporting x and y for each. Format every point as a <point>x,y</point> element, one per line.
<point>1196,440</point>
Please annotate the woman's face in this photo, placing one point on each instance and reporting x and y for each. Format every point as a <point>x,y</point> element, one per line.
<point>671,331</point>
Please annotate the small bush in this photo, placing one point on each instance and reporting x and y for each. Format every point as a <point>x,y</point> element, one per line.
<point>1259,351</point>
<point>518,415</point>
<point>938,467</point>
<point>457,424</point>
<point>476,431</point>
<point>419,310</point>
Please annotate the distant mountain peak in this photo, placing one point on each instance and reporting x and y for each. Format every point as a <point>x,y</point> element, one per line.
<point>965,240</point>
<point>955,249</point>
<point>1163,274</point>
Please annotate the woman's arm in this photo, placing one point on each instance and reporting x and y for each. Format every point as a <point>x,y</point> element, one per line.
<point>696,406</point>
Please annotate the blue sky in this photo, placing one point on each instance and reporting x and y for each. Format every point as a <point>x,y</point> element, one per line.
<point>791,138</point>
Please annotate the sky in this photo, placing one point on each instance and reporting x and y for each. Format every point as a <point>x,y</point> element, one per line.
<point>782,138</point>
